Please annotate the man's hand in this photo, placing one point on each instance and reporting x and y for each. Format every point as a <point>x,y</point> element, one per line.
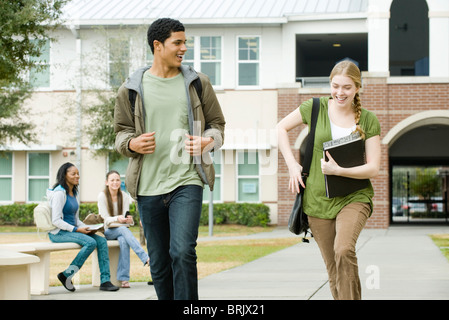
<point>144,144</point>
<point>196,146</point>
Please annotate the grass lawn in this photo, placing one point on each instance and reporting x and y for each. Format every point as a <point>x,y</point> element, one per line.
<point>442,241</point>
<point>213,256</point>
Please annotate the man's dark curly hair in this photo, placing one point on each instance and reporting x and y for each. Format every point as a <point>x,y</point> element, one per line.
<point>161,30</point>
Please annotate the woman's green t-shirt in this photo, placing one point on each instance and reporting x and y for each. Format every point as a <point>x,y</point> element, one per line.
<point>316,203</point>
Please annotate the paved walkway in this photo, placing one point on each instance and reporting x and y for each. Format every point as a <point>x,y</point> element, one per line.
<point>399,263</point>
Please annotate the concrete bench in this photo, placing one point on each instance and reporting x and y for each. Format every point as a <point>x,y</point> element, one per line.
<point>40,271</point>
<point>15,275</point>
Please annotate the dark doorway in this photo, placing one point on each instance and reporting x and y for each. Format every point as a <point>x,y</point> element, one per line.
<point>316,55</point>
<point>419,175</point>
<point>409,38</point>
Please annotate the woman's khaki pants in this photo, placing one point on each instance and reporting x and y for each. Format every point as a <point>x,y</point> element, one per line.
<point>337,239</point>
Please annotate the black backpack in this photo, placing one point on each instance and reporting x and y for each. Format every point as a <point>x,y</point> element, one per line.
<point>196,83</point>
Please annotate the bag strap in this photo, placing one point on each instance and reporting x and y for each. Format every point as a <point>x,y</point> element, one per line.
<point>311,136</point>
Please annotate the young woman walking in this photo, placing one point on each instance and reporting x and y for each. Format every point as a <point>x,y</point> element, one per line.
<point>336,222</point>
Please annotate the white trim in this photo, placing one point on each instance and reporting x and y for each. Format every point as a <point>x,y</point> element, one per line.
<point>416,80</point>
<point>188,22</point>
<point>328,16</point>
<point>22,147</point>
<point>242,146</point>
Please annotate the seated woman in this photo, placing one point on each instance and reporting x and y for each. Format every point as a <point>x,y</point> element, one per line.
<point>65,203</point>
<point>112,206</point>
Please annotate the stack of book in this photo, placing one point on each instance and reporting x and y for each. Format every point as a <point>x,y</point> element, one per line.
<point>347,152</point>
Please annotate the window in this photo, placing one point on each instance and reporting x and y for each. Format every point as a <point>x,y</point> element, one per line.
<point>40,75</point>
<point>6,177</point>
<point>204,54</point>
<point>248,61</point>
<point>189,57</point>
<point>120,165</point>
<point>118,62</point>
<point>38,175</point>
<point>210,57</point>
<point>247,177</point>
<point>216,157</point>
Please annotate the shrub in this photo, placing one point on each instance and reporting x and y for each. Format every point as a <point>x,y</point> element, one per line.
<point>248,214</point>
<point>17,214</point>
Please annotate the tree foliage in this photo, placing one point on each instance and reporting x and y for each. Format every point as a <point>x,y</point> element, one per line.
<point>25,27</point>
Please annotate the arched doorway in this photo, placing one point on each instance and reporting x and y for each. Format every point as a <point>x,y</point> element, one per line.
<point>409,38</point>
<point>419,168</point>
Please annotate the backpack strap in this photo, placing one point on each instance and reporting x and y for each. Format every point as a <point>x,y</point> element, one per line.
<point>132,99</point>
<point>199,88</point>
<point>311,136</point>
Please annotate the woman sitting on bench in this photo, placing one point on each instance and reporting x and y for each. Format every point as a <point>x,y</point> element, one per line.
<point>65,203</point>
<point>113,206</point>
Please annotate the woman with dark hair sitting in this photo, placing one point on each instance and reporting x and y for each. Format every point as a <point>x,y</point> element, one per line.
<point>64,201</point>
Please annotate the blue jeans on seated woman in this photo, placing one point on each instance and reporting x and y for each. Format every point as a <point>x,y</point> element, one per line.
<point>126,240</point>
<point>170,222</point>
<point>88,244</point>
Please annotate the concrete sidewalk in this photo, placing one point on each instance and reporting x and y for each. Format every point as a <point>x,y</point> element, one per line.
<point>399,263</point>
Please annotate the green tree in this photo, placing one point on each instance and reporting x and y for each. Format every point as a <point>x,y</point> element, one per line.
<point>426,184</point>
<point>100,130</point>
<point>25,27</point>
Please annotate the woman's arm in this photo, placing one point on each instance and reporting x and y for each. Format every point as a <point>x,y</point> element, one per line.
<point>366,171</point>
<point>291,121</point>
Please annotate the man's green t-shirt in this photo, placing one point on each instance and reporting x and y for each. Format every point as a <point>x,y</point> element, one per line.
<point>170,166</point>
<point>316,203</point>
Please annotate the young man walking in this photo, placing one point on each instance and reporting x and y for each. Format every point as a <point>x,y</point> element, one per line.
<point>167,133</point>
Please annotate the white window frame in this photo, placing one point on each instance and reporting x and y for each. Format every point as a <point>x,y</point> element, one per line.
<point>196,40</point>
<point>40,88</point>
<point>200,61</point>
<point>238,62</point>
<point>108,80</point>
<point>12,181</point>
<point>28,177</point>
<point>238,177</point>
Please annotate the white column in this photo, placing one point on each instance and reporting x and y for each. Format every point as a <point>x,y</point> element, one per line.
<point>378,24</point>
<point>438,38</point>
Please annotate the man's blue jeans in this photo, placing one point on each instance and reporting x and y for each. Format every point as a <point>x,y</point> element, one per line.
<point>170,222</point>
<point>126,241</point>
<point>88,244</point>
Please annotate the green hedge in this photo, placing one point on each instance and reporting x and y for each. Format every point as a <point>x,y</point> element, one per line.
<point>248,214</point>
